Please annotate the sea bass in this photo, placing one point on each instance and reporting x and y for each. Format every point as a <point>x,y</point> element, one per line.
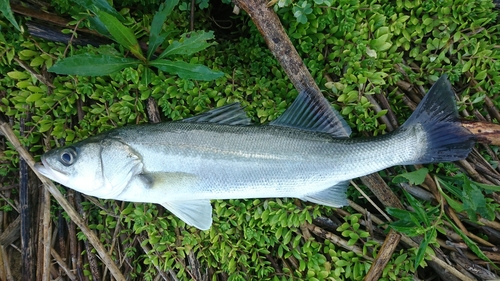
<point>218,155</point>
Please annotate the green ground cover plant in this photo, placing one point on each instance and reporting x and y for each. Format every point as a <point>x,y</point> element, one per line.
<point>372,59</point>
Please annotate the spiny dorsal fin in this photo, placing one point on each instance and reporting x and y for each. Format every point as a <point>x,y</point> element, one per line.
<point>231,114</point>
<point>307,113</point>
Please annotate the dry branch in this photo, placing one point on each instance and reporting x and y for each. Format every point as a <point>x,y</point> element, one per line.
<point>11,233</point>
<point>337,240</point>
<point>63,265</point>
<point>486,132</point>
<point>46,236</point>
<point>46,17</point>
<point>8,273</point>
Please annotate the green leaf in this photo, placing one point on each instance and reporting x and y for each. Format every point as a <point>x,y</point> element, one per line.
<point>454,190</point>
<point>378,43</point>
<point>122,34</point>
<point>99,5</point>
<point>156,37</point>
<point>471,244</point>
<point>407,226</point>
<point>146,77</point>
<point>34,97</point>
<point>377,78</point>
<point>97,25</point>
<point>190,43</point>
<point>457,206</point>
<point>18,75</point>
<point>473,200</point>
<point>429,235</point>
<point>7,13</point>
<point>489,187</point>
<point>400,214</point>
<point>417,177</point>
<point>186,70</point>
<point>92,65</point>
<point>481,75</point>
<point>419,209</point>
<point>471,195</point>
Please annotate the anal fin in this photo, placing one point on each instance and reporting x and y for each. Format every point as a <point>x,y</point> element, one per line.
<point>334,196</point>
<point>197,213</point>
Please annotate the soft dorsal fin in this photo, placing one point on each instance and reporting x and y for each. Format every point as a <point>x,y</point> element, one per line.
<point>309,114</point>
<point>231,114</point>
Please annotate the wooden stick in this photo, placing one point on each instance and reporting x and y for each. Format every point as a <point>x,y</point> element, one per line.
<point>337,240</point>
<point>384,255</point>
<point>11,233</point>
<point>485,132</point>
<point>8,273</point>
<point>27,240</point>
<point>46,236</point>
<point>62,264</point>
<point>46,17</point>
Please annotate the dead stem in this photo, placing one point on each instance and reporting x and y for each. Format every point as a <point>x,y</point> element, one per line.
<point>62,264</point>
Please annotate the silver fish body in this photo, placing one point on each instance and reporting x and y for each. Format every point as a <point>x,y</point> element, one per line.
<point>182,165</point>
<point>213,161</point>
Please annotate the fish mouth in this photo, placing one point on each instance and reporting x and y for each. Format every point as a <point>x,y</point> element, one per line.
<point>45,169</point>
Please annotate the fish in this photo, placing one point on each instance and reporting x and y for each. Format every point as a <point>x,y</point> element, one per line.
<point>219,154</point>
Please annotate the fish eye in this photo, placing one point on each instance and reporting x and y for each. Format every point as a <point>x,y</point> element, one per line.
<point>68,156</point>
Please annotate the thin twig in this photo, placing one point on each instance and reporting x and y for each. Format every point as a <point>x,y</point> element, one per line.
<point>371,201</point>
<point>8,273</point>
<point>92,260</point>
<point>11,233</point>
<point>46,236</point>
<point>62,264</point>
<point>336,240</point>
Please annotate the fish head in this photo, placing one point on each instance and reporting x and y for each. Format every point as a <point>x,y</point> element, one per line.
<point>101,168</point>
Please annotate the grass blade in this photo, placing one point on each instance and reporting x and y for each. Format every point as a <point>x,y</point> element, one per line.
<point>422,249</point>
<point>471,244</point>
<point>7,13</point>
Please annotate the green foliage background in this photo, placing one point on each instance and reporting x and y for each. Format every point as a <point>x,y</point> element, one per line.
<point>353,50</point>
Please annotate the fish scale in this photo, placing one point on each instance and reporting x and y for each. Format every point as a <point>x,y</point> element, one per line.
<point>230,160</point>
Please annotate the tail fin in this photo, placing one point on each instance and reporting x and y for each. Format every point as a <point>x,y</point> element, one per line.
<point>437,113</point>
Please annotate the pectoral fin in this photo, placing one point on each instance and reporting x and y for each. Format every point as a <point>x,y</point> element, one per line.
<point>197,213</point>
<point>333,196</point>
